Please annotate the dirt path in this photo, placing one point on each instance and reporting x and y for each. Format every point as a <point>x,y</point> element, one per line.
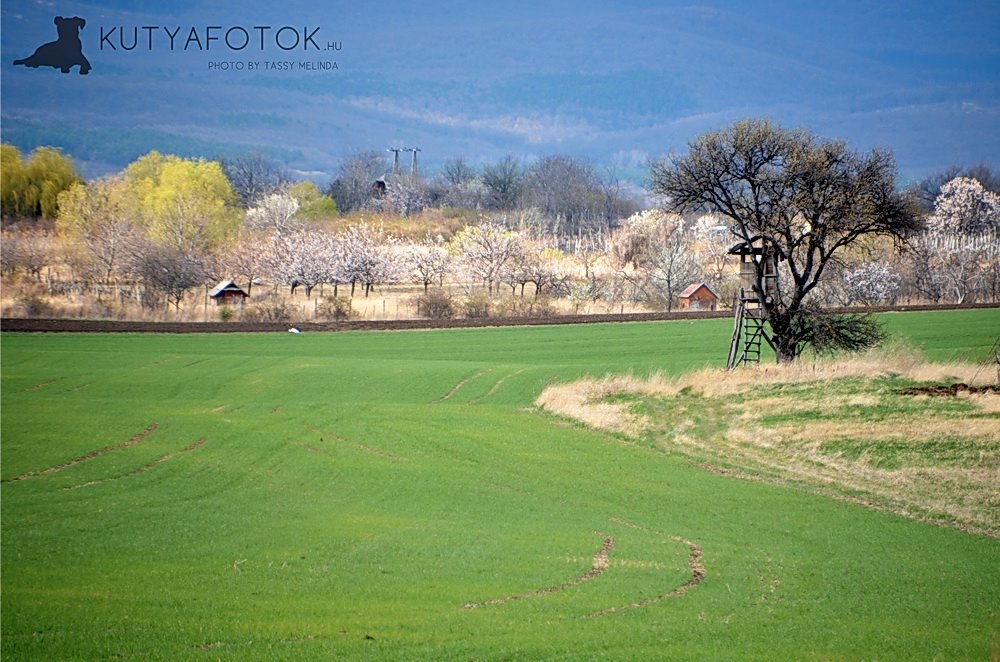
<point>89,456</point>
<point>694,562</point>
<point>455,389</point>
<point>141,470</point>
<point>496,387</point>
<point>599,565</point>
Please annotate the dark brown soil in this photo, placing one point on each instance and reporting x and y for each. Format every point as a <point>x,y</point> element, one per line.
<point>952,390</point>
<point>116,326</point>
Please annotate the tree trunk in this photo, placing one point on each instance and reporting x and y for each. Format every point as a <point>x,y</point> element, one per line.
<point>783,335</point>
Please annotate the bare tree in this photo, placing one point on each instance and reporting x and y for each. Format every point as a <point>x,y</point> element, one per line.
<point>800,197</point>
<point>29,250</point>
<point>456,172</point>
<point>568,194</point>
<point>503,181</point>
<point>253,175</point>
<point>249,256</point>
<point>167,273</point>
<point>536,265</point>
<point>462,187</point>
<point>354,184</point>
<point>97,219</point>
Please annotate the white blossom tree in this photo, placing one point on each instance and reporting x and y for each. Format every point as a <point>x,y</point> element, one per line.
<point>484,250</point>
<point>957,257</point>
<point>273,213</point>
<point>537,264</point>
<point>305,257</point>
<point>428,261</point>
<point>368,257</point>
<point>964,207</point>
<point>406,194</point>
<point>871,283</point>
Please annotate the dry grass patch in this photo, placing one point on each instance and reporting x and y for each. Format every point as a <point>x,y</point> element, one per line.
<point>587,401</point>
<point>862,429</point>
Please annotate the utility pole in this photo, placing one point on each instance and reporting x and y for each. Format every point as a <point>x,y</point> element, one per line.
<point>413,161</point>
<point>395,158</point>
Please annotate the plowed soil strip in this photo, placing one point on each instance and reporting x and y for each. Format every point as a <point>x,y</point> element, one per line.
<point>694,562</point>
<point>360,446</point>
<point>141,470</point>
<point>89,456</point>
<point>462,383</point>
<point>600,564</point>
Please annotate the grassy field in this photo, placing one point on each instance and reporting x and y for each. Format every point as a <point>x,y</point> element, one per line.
<point>400,496</point>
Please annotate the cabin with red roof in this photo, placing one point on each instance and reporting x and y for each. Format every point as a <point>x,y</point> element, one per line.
<point>697,296</point>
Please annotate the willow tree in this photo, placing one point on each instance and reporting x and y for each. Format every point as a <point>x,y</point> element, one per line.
<point>30,188</point>
<point>186,204</point>
<point>798,196</point>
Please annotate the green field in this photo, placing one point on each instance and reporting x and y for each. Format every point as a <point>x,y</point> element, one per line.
<point>398,495</point>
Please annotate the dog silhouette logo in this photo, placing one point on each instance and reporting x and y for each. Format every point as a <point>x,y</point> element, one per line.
<point>64,52</point>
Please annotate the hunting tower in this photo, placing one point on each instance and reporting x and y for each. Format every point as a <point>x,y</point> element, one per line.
<point>748,333</point>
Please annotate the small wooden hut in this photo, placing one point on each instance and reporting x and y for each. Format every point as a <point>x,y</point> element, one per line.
<point>697,296</point>
<point>228,293</point>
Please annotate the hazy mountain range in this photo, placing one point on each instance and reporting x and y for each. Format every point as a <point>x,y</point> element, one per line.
<point>616,83</point>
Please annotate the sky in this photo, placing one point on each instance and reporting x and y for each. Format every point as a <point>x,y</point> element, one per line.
<point>615,83</point>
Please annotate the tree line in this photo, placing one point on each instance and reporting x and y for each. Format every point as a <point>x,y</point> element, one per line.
<point>553,229</point>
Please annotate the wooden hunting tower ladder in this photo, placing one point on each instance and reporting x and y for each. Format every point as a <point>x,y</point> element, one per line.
<point>748,331</point>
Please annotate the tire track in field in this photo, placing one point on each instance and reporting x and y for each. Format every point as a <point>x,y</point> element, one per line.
<point>496,387</point>
<point>89,456</point>
<point>599,565</point>
<point>313,449</point>
<point>141,470</point>
<point>39,387</point>
<point>368,449</point>
<point>694,562</point>
<point>456,387</point>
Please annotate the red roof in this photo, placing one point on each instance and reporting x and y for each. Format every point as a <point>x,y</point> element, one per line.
<point>690,290</point>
